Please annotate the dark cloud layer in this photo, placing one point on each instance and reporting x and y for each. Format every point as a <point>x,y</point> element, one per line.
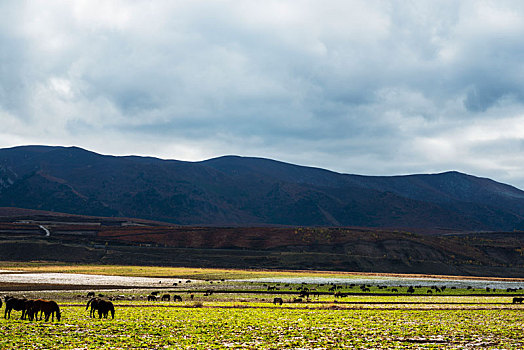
<point>370,87</point>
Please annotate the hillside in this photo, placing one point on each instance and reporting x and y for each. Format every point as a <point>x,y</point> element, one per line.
<point>42,236</point>
<point>240,191</point>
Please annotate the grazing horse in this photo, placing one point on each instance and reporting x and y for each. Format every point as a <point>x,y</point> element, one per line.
<point>94,306</point>
<point>46,307</point>
<point>278,301</point>
<point>104,307</point>
<point>166,297</point>
<point>177,297</point>
<point>30,310</point>
<point>14,304</point>
<point>518,300</point>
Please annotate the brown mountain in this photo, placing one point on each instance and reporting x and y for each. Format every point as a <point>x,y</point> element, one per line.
<point>239,191</point>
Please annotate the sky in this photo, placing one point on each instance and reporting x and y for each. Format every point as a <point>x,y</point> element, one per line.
<point>361,87</point>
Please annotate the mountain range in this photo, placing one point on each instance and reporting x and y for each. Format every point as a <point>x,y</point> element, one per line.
<point>246,191</point>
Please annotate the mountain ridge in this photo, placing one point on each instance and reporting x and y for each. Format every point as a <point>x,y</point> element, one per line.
<point>235,190</point>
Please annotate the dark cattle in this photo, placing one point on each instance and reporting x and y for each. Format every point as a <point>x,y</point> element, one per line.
<point>155,293</point>
<point>14,304</point>
<point>271,288</point>
<point>394,289</point>
<point>91,294</point>
<point>152,298</point>
<point>278,301</point>
<point>177,297</point>
<point>166,297</point>
<point>297,300</point>
<point>430,291</point>
<point>518,300</point>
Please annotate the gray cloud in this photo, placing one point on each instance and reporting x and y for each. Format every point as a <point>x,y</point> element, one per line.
<point>374,87</point>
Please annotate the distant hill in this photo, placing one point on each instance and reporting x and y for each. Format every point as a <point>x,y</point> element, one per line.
<point>242,191</point>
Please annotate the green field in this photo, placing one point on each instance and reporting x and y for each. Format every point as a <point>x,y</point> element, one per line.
<point>269,328</point>
<point>241,315</point>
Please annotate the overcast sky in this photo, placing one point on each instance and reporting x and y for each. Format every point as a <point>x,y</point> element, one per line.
<point>362,87</point>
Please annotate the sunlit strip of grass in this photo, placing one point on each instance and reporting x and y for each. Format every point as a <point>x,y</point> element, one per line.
<point>160,271</point>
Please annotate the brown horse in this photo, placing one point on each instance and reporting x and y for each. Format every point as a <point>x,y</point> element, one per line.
<point>30,309</point>
<point>47,308</point>
<point>94,306</point>
<point>103,307</point>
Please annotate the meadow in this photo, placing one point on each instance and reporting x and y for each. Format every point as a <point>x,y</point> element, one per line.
<point>214,327</point>
<point>226,314</point>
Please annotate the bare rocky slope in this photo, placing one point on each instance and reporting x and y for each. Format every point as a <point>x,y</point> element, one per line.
<point>81,239</point>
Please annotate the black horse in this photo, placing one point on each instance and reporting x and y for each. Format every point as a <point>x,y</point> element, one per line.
<point>518,300</point>
<point>94,306</point>
<point>104,307</point>
<point>17,304</point>
<point>47,307</point>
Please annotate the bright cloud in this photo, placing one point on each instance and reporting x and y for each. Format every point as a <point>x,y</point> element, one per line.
<point>369,87</point>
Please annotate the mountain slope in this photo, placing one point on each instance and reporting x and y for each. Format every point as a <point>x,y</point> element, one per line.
<point>234,190</point>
